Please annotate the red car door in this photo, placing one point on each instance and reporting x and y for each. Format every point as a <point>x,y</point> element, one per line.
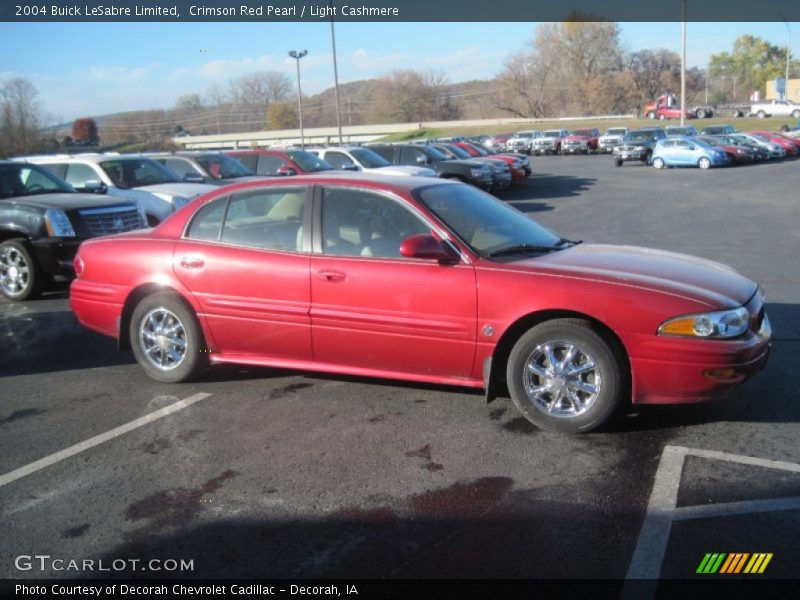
<point>372,308</point>
<point>246,260</point>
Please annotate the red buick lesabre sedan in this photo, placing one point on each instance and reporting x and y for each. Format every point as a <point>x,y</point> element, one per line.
<point>421,280</point>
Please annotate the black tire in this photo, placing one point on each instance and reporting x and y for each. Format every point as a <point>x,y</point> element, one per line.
<point>195,356</point>
<point>651,115</point>
<point>618,163</point>
<point>658,162</point>
<point>20,276</point>
<point>608,364</point>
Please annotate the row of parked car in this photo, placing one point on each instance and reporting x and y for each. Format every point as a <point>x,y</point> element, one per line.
<point>716,145</point>
<point>52,202</point>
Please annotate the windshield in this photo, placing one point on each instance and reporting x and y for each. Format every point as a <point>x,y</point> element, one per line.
<point>616,132</point>
<point>458,152</point>
<point>481,221</point>
<point>309,162</point>
<point>552,134</point>
<point>434,153</point>
<point>222,166</point>
<point>583,132</point>
<point>369,159</point>
<point>639,136</point>
<point>137,172</point>
<point>481,150</point>
<point>27,180</point>
<point>523,134</point>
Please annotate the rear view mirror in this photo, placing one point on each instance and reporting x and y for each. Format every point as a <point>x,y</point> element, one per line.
<point>422,160</point>
<point>93,186</point>
<point>428,247</point>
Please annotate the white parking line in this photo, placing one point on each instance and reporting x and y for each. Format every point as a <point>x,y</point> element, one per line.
<point>651,546</point>
<point>99,439</point>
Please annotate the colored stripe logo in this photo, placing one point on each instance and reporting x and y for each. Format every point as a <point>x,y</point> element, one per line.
<point>734,563</point>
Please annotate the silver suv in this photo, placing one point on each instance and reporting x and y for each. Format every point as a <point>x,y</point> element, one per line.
<point>159,191</point>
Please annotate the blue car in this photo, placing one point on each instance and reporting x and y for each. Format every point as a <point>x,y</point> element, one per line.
<point>687,152</point>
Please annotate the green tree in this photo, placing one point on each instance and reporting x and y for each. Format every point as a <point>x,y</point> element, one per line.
<point>748,66</point>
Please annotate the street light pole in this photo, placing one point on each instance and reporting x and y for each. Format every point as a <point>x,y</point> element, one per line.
<point>336,78</point>
<point>297,56</point>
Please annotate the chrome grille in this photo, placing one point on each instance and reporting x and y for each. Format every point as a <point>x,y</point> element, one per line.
<point>114,219</point>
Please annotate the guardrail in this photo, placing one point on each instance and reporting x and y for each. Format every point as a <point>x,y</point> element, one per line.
<point>353,133</point>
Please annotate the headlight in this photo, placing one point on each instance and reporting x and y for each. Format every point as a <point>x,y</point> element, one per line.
<point>142,214</point>
<point>721,324</point>
<point>477,172</point>
<point>57,223</point>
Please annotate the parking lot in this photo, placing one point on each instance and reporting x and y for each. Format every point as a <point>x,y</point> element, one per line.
<point>265,473</point>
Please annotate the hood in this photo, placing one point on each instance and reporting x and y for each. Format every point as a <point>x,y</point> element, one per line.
<point>403,171</point>
<point>577,138</point>
<point>460,162</point>
<point>184,190</point>
<point>709,282</point>
<point>68,201</point>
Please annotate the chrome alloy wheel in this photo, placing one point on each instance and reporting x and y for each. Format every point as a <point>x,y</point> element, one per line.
<point>15,272</point>
<point>162,339</point>
<point>561,379</point>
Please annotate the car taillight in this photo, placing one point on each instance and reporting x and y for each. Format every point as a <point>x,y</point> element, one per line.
<point>78,263</point>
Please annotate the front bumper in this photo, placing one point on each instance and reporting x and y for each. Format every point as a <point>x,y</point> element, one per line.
<point>574,149</point>
<point>638,153</point>
<point>670,370</point>
<point>55,256</point>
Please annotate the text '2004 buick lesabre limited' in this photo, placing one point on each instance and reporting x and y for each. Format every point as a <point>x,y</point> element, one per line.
<point>422,280</point>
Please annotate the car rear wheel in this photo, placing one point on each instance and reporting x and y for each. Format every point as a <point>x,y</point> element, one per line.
<point>166,338</point>
<point>704,163</point>
<point>20,277</point>
<point>662,117</point>
<point>564,376</point>
<point>761,114</point>
<point>658,162</point>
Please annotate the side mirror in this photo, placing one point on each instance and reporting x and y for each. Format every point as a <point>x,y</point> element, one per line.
<point>350,167</point>
<point>428,247</point>
<point>194,178</point>
<point>285,171</point>
<point>93,186</point>
<point>422,160</point>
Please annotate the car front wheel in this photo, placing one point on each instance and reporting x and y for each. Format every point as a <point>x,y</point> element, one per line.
<point>704,163</point>
<point>166,338</point>
<point>563,376</point>
<point>658,162</point>
<point>19,276</point>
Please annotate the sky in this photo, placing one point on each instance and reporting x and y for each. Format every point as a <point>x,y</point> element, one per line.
<point>91,69</point>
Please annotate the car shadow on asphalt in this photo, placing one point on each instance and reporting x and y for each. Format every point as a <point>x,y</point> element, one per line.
<point>528,196</point>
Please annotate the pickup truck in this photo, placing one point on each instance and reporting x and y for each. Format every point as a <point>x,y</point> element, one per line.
<point>776,108</point>
<point>550,141</point>
<point>419,155</point>
<point>580,140</point>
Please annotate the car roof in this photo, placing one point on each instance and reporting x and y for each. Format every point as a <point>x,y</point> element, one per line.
<point>89,157</point>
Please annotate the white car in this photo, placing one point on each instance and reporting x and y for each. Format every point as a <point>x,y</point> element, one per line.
<point>612,137</point>
<point>776,108</point>
<point>522,141</point>
<point>357,158</point>
<point>157,189</point>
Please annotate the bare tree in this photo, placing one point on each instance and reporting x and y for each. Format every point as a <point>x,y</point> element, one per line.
<point>259,89</point>
<point>407,96</point>
<point>21,117</point>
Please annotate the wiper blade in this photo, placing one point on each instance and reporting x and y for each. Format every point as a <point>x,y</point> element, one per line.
<point>522,249</point>
<point>562,241</point>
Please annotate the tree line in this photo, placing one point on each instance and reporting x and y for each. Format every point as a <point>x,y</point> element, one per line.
<point>573,68</point>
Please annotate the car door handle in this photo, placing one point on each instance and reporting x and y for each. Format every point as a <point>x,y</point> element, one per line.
<point>331,275</point>
<point>192,262</point>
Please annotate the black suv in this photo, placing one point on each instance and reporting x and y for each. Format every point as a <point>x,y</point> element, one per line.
<point>638,145</point>
<point>43,221</point>
<point>479,175</point>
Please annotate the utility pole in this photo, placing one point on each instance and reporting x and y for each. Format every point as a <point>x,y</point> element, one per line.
<point>297,56</point>
<point>683,63</point>
<point>788,54</point>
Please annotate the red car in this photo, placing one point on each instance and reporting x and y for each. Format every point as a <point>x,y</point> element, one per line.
<point>267,161</point>
<point>738,154</point>
<point>421,280</point>
<point>792,149</point>
<point>517,164</point>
